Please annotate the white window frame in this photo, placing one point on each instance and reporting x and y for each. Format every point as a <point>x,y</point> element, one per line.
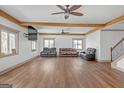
<point>35,44</point>
<point>0,42</point>
<point>77,39</point>
<point>9,31</point>
<point>49,39</point>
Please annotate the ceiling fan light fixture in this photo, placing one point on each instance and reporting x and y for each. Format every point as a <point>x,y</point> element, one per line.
<point>69,10</point>
<point>66,15</point>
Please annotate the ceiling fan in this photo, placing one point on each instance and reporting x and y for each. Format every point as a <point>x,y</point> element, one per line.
<point>67,10</point>
<point>63,32</point>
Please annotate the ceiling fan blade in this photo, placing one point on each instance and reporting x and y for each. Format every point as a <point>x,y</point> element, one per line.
<point>61,7</point>
<point>76,13</point>
<point>74,7</point>
<point>57,13</point>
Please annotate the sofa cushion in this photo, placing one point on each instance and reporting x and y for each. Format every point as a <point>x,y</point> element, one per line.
<point>52,53</point>
<point>44,53</point>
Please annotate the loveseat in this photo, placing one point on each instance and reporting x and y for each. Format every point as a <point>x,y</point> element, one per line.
<point>48,52</point>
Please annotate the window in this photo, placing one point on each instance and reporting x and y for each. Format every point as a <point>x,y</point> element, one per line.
<point>12,42</point>
<point>8,42</point>
<point>78,43</point>
<point>49,43</point>
<point>33,45</point>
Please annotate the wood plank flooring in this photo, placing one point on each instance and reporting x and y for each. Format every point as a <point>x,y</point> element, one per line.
<point>63,72</point>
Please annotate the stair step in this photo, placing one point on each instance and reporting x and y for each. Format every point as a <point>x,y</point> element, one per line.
<point>117,64</point>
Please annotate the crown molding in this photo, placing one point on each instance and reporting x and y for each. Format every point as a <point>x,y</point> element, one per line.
<point>60,24</point>
<point>81,34</point>
<point>9,17</point>
<point>109,23</point>
<point>112,30</point>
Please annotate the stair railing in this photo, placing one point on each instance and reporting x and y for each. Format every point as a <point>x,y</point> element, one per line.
<point>117,50</point>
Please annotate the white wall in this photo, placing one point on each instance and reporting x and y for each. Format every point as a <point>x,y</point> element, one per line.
<point>93,41</point>
<point>61,41</point>
<point>103,41</point>
<point>107,40</point>
<point>25,52</point>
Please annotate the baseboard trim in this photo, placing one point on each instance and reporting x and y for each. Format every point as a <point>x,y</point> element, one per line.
<point>98,60</point>
<point>16,66</point>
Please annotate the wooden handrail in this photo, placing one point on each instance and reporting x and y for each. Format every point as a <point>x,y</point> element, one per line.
<point>111,54</point>
<point>118,43</point>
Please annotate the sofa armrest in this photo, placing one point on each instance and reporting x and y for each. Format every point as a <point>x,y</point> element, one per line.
<point>41,52</point>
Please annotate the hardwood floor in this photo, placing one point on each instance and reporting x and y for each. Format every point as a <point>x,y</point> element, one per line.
<point>63,72</point>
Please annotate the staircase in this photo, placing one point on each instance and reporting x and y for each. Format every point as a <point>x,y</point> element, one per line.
<point>117,55</point>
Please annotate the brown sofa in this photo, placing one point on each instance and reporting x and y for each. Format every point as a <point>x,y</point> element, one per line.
<point>68,52</point>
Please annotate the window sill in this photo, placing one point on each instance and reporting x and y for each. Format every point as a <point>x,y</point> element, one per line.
<point>2,56</point>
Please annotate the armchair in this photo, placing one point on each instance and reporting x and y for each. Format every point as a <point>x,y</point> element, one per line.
<point>89,54</point>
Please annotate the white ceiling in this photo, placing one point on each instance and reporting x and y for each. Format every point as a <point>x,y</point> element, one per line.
<point>42,13</point>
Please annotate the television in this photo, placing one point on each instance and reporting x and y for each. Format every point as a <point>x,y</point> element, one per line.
<point>32,33</point>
